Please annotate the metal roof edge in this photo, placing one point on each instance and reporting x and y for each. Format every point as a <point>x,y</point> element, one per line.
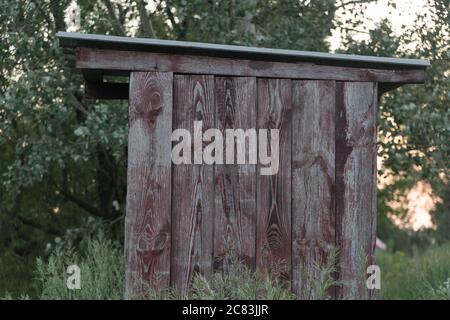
<point>76,39</point>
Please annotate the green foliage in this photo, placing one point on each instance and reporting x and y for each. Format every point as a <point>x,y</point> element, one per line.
<point>284,24</point>
<point>101,264</point>
<point>238,282</point>
<point>63,157</point>
<point>16,273</point>
<point>102,274</point>
<point>414,120</point>
<point>320,279</point>
<point>425,275</point>
<point>442,292</point>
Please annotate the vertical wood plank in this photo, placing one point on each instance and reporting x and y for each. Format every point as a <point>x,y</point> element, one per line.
<point>193,186</point>
<point>235,185</point>
<point>147,223</point>
<point>273,222</point>
<point>356,107</point>
<point>313,182</point>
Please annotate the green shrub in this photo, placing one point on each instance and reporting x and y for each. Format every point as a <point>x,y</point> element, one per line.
<point>101,267</point>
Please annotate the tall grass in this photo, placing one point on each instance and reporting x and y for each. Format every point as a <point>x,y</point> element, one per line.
<point>425,275</point>
<point>237,281</point>
<point>101,267</point>
<point>318,281</point>
<point>102,275</point>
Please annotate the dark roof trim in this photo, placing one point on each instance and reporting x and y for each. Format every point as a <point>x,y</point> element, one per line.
<point>70,40</point>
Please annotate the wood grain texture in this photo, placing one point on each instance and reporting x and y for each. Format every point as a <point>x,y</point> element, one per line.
<point>110,60</point>
<point>147,223</point>
<point>193,186</point>
<point>273,221</point>
<point>313,182</point>
<point>235,185</point>
<point>356,108</point>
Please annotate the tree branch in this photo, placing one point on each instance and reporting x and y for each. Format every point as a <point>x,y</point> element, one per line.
<point>171,17</point>
<point>40,7</point>
<point>35,225</point>
<point>117,25</point>
<point>344,4</point>
<point>57,11</point>
<point>82,204</point>
<point>353,29</point>
<point>78,105</point>
<point>179,28</point>
<point>79,202</point>
<point>146,23</point>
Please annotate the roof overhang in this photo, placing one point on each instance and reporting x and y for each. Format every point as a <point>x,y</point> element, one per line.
<point>99,55</point>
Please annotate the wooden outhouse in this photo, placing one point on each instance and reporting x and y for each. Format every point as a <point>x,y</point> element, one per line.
<point>186,218</point>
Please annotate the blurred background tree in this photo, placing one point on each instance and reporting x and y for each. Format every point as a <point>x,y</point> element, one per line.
<point>63,158</point>
<point>414,121</point>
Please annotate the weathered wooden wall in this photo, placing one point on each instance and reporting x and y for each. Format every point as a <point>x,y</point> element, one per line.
<point>149,181</point>
<point>179,217</point>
